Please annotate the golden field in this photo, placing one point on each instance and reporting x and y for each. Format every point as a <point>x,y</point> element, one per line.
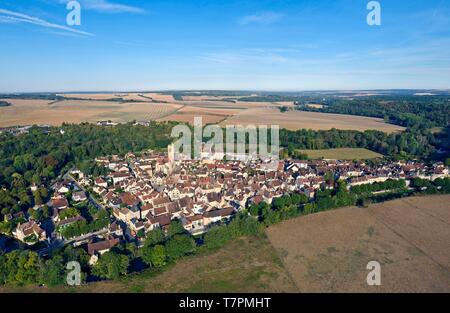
<point>294,120</point>
<point>127,107</point>
<point>27,112</point>
<point>329,251</point>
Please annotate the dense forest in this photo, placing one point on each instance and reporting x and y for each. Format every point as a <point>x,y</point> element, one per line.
<point>402,145</point>
<point>270,98</point>
<point>413,112</point>
<point>426,118</point>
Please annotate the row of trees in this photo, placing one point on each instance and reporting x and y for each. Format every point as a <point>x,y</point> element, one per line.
<point>440,185</point>
<point>293,205</point>
<point>289,206</point>
<point>389,184</point>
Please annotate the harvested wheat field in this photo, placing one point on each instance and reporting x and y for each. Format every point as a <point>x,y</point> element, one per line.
<point>209,115</point>
<point>315,106</point>
<point>189,118</point>
<point>221,104</point>
<point>27,112</point>
<point>118,95</point>
<point>329,251</point>
<point>127,107</point>
<point>294,120</point>
<point>158,97</point>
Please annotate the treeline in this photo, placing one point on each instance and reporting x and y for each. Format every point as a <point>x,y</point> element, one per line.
<point>293,205</point>
<point>389,184</point>
<point>417,187</point>
<point>32,96</point>
<point>411,112</point>
<point>25,267</point>
<point>270,98</point>
<point>438,186</point>
<point>400,145</point>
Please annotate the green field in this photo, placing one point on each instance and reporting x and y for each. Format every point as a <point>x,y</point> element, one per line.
<point>342,154</point>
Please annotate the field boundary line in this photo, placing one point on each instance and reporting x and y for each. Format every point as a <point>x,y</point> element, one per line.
<point>409,242</point>
<point>426,213</point>
<point>284,265</point>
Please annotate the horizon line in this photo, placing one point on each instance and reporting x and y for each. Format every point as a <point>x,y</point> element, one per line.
<point>221,90</point>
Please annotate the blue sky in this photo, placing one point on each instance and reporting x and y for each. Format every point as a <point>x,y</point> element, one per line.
<point>208,44</point>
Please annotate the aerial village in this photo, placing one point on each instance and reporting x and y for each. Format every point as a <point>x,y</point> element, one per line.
<point>140,193</point>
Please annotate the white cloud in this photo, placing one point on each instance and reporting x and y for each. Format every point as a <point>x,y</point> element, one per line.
<point>7,16</point>
<point>261,18</point>
<point>107,6</point>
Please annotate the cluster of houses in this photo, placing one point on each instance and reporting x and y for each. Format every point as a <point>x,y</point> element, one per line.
<point>20,130</point>
<point>150,190</point>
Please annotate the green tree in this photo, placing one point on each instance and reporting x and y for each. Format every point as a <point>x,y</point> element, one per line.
<point>155,236</point>
<point>180,245</point>
<point>52,271</point>
<point>37,198</point>
<point>216,237</point>
<point>176,227</point>
<point>447,162</point>
<point>111,265</point>
<point>154,256</point>
<point>21,267</point>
